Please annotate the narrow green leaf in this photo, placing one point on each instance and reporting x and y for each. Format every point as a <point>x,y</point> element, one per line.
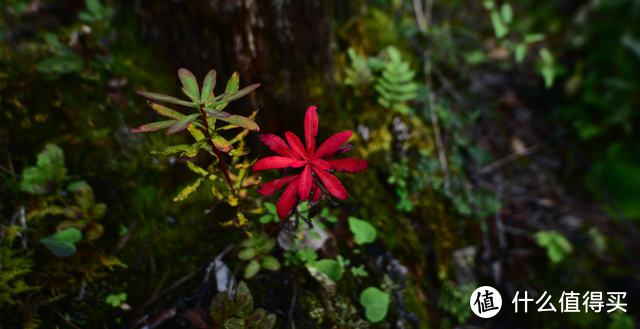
<point>216,113</point>
<point>247,254</point>
<point>252,269</point>
<point>165,98</point>
<point>208,85</point>
<point>189,84</point>
<point>241,121</point>
<point>188,191</point>
<point>221,143</point>
<point>163,110</point>
<point>182,124</point>
<point>197,169</point>
<point>153,126</point>
<point>170,149</point>
<point>194,149</point>
<point>196,133</point>
<point>270,263</point>
<point>233,96</point>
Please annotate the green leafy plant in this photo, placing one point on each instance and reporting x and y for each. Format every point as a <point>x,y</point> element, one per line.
<point>359,75</point>
<point>556,244</point>
<point>272,215</point>
<point>301,256</point>
<point>363,231</point>
<point>95,11</point>
<point>116,300</point>
<point>227,313</point>
<point>47,175</point>
<point>84,215</point>
<point>202,126</point>
<point>395,86</point>
<point>256,250</point>
<point>62,243</point>
<point>455,300</point>
<point>375,302</point>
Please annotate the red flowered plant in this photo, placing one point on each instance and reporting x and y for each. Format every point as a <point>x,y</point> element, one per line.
<point>306,186</point>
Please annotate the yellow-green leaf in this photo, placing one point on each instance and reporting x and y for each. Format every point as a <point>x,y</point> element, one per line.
<point>188,191</point>
<point>190,85</point>
<point>153,126</point>
<point>208,85</point>
<point>170,149</point>
<point>221,143</point>
<point>167,112</point>
<point>195,132</point>
<point>233,201</point>
<point>192,150</point>
<point>197,169</point>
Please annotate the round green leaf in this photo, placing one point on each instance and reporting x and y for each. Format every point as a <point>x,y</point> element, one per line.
<point>363,231</point>
<point>331,268</point>
<point>376,303</point>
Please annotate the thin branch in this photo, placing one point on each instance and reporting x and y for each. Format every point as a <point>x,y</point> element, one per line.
<point>508,159</point>
<point>125,238</point>
<point>62,317</point>
<point>293,303</point>
<point>178,283</point>
<point>223,167</point>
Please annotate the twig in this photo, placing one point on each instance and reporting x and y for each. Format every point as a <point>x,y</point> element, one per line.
<point>223,167</point>
<point>164,277</point>
<point>125,238</point>
<point>508,159</point>
<point>7,171</point>
<point>178,283</point>
<point>62,317</point>
<point>293,303</point>
<point>420,15</point>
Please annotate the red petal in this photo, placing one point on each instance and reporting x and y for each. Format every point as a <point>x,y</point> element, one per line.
<point>321,164</point>
<point>332,184</point>
<point>275,185</point>
<point>350,166</point>
<point>339,150</point>
<point>298,164</point>
<point>317,192</point>
<point>332,143</point>
<point>296,144</point>
<point>278,145</point>
<point>304,187</point>
<point>311,129</point>
<point>288,199</point>
<point>273,163</point>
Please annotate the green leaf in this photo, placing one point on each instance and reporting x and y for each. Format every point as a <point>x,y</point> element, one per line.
<point>94,6</point>
<point>266,219</point>
<point>245,294</point>
<point>171,149</point>
<point>252,269</point>
<point>268,322</point>
<point>521,51</point>
<point>208,85</point>
<point>221,143</point>
<point>232,86</point>
<point>189,84</point>
<point>234,323</point>
<point>182,124</point>
<point>68,63</point>
<point>255,318</point>
<point>233,96</point>
<point>241,121</point>
<point>188,191</point>
<point>163,110</point>
<point>270,263</point>
<point>116,299</point>
<point>500,29</point>
<point>247,254</point>
<point>153,126</point>
<point>73,185</point>
<point>531,38</point>
<point>331,268</point>
<point>376,303</point>
<point>194,149</point>
<point>507,13</point>
<point>271,208</point>
<point>556,244</point>
<point>62,243</point>
<point>166,98</point>
<point>216,113</point>
<point>50,169</point>
<point>83,195</point>
<point>196,169</point>
<point>363,231</point>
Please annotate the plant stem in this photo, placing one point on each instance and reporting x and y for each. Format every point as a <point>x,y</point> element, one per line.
<point>223,167</point>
